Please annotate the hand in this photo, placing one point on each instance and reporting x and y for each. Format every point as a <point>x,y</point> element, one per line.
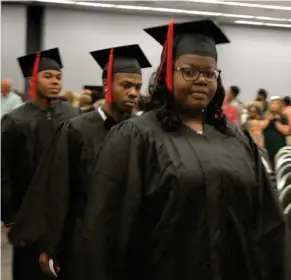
<point>44,264</point>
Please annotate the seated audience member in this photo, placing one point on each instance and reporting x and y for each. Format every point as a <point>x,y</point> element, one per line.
<point>287,112</point>
<point>230,111</point>
<point>262,96</point>
<point>253,123</point>
<point>71,97</point>
<point>96,92</point>
<point>9,99</point>
<point>85,103</point>
<point>275,127</point>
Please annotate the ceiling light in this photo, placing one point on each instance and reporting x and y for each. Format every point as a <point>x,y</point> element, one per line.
<point>92,4</point>
<point>272,18</point>
<point>263,23</point>
<point>169,10</point>
<point>249,22</point>
<point>242,4</point>
<point>202,13</point>
<point>57,1</point>
<point>133,7</point>
<point>278,25</point>
<point>237,16</point>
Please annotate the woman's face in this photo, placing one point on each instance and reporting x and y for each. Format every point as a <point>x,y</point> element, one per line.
<point>194,95</point>
<point>253,112</point>
<point>275,105</point>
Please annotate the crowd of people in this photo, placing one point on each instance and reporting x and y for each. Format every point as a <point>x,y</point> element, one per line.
<point>110,184</point>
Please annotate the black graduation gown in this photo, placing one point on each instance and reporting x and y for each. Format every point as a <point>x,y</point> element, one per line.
<point>171,206</point>
<point>51,215</point>
<point>26,133</point>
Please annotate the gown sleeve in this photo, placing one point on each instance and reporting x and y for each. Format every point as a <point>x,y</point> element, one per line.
<point>9,137</point>
<point>42,216</point>
<point>113,209</point>
<point>270,227</point>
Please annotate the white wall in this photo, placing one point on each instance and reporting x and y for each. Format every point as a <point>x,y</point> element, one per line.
<point>256,58</point>
<point>13,44</point>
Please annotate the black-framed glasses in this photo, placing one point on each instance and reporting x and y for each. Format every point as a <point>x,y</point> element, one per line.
<point>192,74</point>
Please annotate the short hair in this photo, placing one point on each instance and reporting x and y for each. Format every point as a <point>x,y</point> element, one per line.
<point>235,90</point>
<point>263,92</point>
<point>287,100</point>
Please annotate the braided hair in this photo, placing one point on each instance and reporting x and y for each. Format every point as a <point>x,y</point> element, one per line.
<point>163,101</point>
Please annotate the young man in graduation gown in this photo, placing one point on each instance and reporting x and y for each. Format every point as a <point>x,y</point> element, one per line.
<point>26,133</point>
<point>58,193</point>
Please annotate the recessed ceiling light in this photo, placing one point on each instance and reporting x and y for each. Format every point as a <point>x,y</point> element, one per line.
<point>242,4</point>
<point>92,4</point>
<point>249,22</point>
<point>237,16</point>
<point>263,23</point>
<point>57,1</point>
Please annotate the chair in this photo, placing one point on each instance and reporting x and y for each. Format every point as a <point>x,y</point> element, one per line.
<point>285,196</point>
<point>283,151</point>
<point>287,216</point>
<point>286,168</point>
<point>284,181</point>
<point>282,161</point>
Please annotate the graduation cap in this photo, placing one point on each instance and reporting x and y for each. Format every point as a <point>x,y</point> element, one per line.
<point>196,37</point>
<point>96,92</point>
<point>122,59</point>
<point>34,63</point>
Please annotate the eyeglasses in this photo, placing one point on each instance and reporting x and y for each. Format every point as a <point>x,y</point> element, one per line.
<point>192,74</point>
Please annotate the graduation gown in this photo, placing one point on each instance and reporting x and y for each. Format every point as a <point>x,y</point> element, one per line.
<point>179,205</point>
<point>26,133</point>
<point>51,215</point>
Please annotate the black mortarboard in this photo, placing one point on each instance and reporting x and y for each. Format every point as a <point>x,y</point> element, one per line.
<point>93,88</point>
<point>127,59</point>
<point>49,60</point>
<point>196,37</point>
<point>122,59</point>
<point>97,92</point>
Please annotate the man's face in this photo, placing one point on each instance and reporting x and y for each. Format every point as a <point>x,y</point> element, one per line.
<point>49,83</point>
<point>126,91</point>
<point>6,86</point>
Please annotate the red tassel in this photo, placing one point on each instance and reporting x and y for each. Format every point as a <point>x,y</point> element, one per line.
<point>109,93</point>
<point>169,59</point>
<point>33,86</point>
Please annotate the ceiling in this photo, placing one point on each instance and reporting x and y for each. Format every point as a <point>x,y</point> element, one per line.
<point>262,13</point>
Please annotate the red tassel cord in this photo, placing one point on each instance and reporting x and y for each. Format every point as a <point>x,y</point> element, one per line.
<point>33,86</point>
<point>109,94</point>
<point>169,59</point>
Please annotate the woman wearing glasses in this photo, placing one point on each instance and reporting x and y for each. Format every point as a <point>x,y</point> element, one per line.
<point>177,193</point>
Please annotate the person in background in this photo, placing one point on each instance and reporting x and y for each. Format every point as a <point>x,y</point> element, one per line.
<point>26,133</point>
<point>232,98</point>
<point>54,205</point>
<point>85,103</point>
<point>96,92</point>
<point>9,99</point>
<point>275,127</point>
<point>262,97</point>
<point>287,112</point>
<point>20,94</point>
<point>230,111</point>
<point>253,123</point>
<point>178,193</point>
<point>70,96</point>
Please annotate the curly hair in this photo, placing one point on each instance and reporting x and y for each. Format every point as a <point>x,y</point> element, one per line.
<point>163,101</point>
